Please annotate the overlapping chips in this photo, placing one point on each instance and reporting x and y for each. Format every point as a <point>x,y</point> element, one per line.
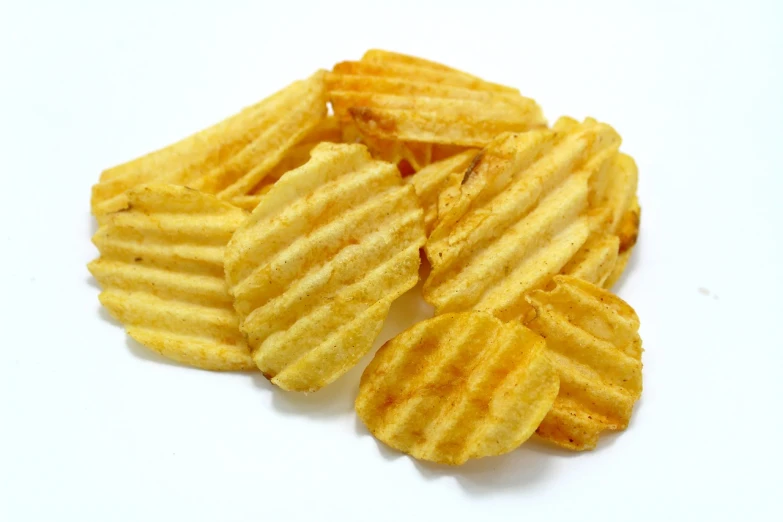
<point>228,159</point>
<point>161,271</point>
<point>593,341</point>
<point>521,216</point>
<point>613,198</point>
<point>421,111</point>
<point>456,387</point>
<point>316,267</point>
<point>327,130</point>
<point>524,226</point>
<point>438,178</point>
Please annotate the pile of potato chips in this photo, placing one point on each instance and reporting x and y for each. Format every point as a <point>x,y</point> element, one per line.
<point>278,239</point>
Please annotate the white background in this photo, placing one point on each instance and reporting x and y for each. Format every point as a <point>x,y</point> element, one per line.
<point>95,427</point>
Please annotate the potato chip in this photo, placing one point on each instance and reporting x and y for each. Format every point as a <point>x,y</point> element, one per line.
<point>230,158</point>
<point>457,386</point>
<point>251,201</point>
<point>520,216</point>
<point>628,233</point>
<point>194,148</point>
<point>593,341</point>
<point>161,271</point>
<point>407,108</point>
<point>316,267</point>
<point>327,130</point>
<point>613,191</point>
<point>597,260</point>
<point>434,179</point>
<point>409,157</point>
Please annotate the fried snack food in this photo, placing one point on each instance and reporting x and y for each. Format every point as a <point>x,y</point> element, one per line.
<point>327,129</point>
<point>612,194</point>
<point>592,339</point>
<point>405,107</point>
<point>457,386</point>
<point>628,234</point>
<point>409,157</point>
<point>520,216</point>
<point>161,273</point>
<point>316,267</point>
<point>435,179</point>
<point>228,159</point>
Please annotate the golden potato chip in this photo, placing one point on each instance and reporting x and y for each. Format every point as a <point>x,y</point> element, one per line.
<point>613,192</point>
<point>327,130</point>
<point>520,216</point>
<point>251,201</point>
<point>190,150</point>
<point>597,260</point>
<point>592,339</point>
<point>456,387</point>
<point>230,158</point>
<point>203,148</point>
<point>415,103</point>
<point>409,157</point>
<point>316,267</point>
<point>161,271</point>
<point>376,62</point>
<point>432,180</point>
<point>413,111</point>
<point>628,232</point>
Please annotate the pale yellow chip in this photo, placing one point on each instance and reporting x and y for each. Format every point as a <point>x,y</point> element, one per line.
<point>327,130</point>
<point>408,156</point>
<point>593,341</point>
<point>413,111</point>
<point>613,198</point>
<point>161,273</point>
<point>520,217</point>
<point>628,232</point>
<point>456,387</point>
<point>316,267</point>
<point>228,159</point>
<point>436,178</point>
<point>414,100</point>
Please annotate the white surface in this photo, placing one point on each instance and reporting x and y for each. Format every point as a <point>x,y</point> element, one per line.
<point>93,427</point>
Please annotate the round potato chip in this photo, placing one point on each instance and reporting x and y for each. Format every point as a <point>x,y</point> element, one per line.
<point>161,270</point>
<point>456,387</point>
<point>315,269</point>
<point>593,342</point>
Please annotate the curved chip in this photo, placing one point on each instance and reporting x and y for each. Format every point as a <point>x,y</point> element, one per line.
<point>316,267</point>
<point>327,130</point>
<point>393,98</point>
<point>434,179</point>
<point>613,195</point>
<point>408,156</point>
<point>592,339</point>
<point>161,271</point>
<point>456,387</point>
<point>521,216</point>
<point>628,233</point>
<point>228,159</point>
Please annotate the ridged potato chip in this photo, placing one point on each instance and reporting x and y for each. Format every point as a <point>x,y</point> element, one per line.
<point>592,339</point>
<point>316,267</point>
<point>628,233</point>
<point>408,156</point>
<point>327,130</point>
<point>613,192</point>
<point>161,273</point>
<point>417,103</point>
<point>520,217</point>
<point>456,387</point>
<point>228,159</point>
<point>433,180</point>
